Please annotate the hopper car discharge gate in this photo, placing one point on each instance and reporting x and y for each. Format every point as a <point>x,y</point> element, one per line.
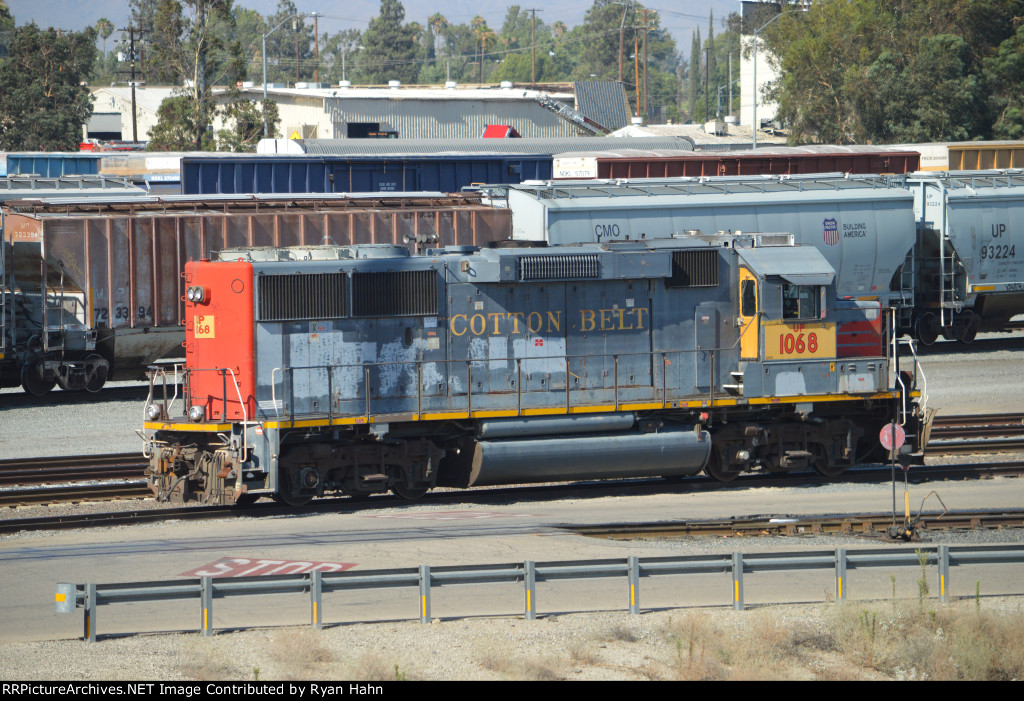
<point>361,369</point>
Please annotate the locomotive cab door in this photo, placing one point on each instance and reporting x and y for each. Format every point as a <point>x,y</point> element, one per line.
<point>750,331</point>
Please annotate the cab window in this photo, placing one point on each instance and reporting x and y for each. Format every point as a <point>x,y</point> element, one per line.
<point>748,299</point>
<point>800,301</point>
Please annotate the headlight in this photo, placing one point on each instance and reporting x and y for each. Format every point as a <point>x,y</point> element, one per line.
<point>197,413</point>
<point>195,294</point>
<point>153,412</point>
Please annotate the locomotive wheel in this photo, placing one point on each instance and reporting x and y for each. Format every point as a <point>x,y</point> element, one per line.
<point>34,381</point>
<point>409,493</point>
<point>295,502</point>
<point>715,470</point>
<point>822,466</point>
<point>928,328</point>
<point>284,493</point>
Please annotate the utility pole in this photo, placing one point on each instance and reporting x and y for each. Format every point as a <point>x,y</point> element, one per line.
<point>622,36</point>
<point>533,44</point>
<point>316,44</point>
<point>133,56</point>
<point>636,69</point>
<point>646,25</point>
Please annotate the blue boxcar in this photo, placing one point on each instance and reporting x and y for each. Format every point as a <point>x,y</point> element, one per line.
<point>215,174</point>
<point>50,165</point>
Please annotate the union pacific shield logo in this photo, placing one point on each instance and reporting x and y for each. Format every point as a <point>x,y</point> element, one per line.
<point>831,232</point>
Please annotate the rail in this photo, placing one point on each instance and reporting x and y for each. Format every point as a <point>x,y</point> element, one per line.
<point>89,597</point>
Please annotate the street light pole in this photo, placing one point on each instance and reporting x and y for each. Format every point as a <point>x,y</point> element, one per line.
<point>346,53</point>
<point>756,31</point>
<point>266,128</point>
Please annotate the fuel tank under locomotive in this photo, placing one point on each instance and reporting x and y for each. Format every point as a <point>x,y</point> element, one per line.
<point>550,450</point>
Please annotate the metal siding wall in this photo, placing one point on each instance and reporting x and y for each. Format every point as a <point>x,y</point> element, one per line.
<point>451,119</point>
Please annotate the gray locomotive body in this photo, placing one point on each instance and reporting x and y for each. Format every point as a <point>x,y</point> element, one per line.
<point>363,369</point>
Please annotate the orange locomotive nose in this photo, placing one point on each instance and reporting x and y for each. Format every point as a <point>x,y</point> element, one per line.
<point>219,338</point>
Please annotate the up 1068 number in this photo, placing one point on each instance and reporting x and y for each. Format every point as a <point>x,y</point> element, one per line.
<point>790,343</point>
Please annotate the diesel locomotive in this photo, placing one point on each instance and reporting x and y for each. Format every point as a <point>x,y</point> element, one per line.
<point>362,369</point>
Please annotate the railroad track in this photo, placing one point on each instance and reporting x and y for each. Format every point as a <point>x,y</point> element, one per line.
<point>995,433</point>
<point>26,471</point>
<point>951,435</point>
<point>875,525</point>
<point>65,397</point>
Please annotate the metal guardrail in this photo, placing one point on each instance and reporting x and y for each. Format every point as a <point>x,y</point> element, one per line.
<point>90,597</point>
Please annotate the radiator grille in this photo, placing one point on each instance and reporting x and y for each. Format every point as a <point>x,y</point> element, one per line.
<point>304,296</point>
<point>580,266</point>
<point>694,269</point>
<point>406,293</point>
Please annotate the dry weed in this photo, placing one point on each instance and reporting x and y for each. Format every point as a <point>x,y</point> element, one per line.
<point>521,668</point>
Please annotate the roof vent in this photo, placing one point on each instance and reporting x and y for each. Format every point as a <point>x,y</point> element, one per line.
<point>394,84</point>
<point>506,83</point>
<point>636,121</point>
<point>450,84</point>
<point>345,84</point>
<point>765,240</point>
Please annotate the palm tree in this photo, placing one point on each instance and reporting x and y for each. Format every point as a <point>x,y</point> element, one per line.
<point>104,27</point>
<point>438,24</point>
<point>484,34</point>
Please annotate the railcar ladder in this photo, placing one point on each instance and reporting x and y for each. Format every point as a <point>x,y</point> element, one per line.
<point>908,274</point>
<point>947,280</point>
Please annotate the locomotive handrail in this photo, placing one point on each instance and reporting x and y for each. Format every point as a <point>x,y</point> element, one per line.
<point>289,411</point>
<point>657,390</point>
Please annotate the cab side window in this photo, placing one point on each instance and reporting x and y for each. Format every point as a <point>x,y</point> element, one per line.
<point>800,301</point>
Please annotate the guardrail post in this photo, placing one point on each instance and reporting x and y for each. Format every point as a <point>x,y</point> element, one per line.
<point>530,584</point>
<point>90,613</point>
<point>943,571</point>
<point>315,591</point>
<point>424,593</point>
<point>206,603</point>
<point>840,574</point>
<point>634,584</point>
<point>737,581</point>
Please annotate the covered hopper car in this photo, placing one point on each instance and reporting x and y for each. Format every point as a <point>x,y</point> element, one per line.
<point>945,250</point>
<point>359,370</point>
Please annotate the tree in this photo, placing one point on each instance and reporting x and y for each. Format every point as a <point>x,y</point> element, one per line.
<point>391,50</point>
<point>1002,75</point>
<point>104,27</point>
<point>876,71</point>
<point>291,46</point>
<point>192,40</point>
<point>43,98</point>
<point>693,91</point>
<point>244,123</point>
